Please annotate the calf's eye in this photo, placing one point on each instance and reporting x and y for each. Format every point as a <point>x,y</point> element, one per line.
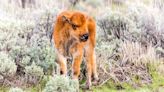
<point>74,27</point>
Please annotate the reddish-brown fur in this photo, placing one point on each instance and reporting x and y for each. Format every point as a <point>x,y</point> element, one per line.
<point>68,44</point>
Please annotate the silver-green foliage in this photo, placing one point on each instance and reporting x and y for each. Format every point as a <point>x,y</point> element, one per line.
<point>115,25</point>
<point>7,65</point>
<point>137,24</point>
<point>16,89</point>
<point>61,84</point>
<point>138,31</point>
<point>34,70</point>
<point>34,44</point>
<point>23,43</point>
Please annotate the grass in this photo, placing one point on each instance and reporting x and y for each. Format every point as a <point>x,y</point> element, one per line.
<point>157,85</point>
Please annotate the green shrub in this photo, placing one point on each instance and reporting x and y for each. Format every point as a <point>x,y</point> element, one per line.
<point>33,73</point>
<point>26,46</point>
<point>16,90</point>
<point>115,25</point>
<point>94,3</point>
<point>34,70</point>
<point>34,45</point>
<point>61,84</point>
<point>7,65</point>
<point>149,25</point>
<point>132,40</point>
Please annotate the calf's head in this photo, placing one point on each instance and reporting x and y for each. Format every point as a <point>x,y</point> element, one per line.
<point>78,26</point>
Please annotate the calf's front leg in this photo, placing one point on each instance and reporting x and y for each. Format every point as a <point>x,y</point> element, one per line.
<point>63,64</point>
<point>77,59</point>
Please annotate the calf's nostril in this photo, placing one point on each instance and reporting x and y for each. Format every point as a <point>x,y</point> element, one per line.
<point>84,37</point>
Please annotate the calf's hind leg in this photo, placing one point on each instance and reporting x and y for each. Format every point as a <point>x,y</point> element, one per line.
<point>91,66</point>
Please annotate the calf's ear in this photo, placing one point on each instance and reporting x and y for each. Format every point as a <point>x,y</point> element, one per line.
<point>64,18</point>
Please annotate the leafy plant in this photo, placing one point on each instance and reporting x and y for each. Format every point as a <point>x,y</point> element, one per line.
<point>61,84</point>
<point>16,89</point>
<point>7,66</point>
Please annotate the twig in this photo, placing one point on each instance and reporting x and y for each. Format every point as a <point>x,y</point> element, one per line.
<point>105,81</point>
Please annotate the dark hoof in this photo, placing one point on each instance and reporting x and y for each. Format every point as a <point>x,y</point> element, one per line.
<point>95,82</point>
<point>85,87</point>
<point>88,87</point>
